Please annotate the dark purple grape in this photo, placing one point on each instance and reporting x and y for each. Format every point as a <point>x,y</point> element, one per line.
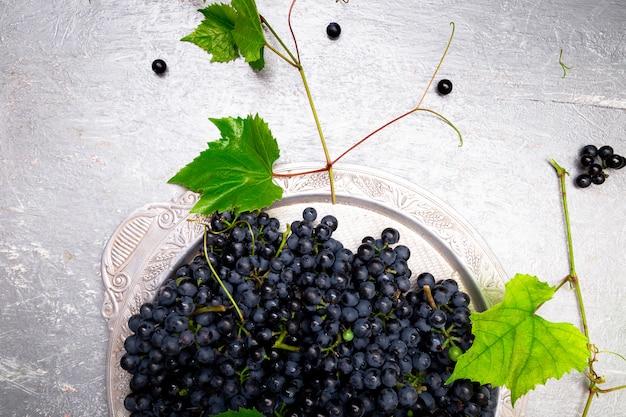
<point>407,396</point>
<point>615,161</point>
<point>390,235</point>
<point>583,180</point>
<point>605,151</point>
<point>598,179</point>
<point>590,150</point>
<point>463,389</point>
<point>424,279</point>
<point>330,221</point>
<point>460,299</point>
<point>587,160</point>
<point>437,319</point>
<point>594,169</point>
<point>444,87</point>
<point>387,256</point>
<point>372,378</point>
<point>354,407</point>
<point>387,400</point>
<point>159,66</point>
<point>365,252</point>
<point>309,214</point>
<point>333,30</point>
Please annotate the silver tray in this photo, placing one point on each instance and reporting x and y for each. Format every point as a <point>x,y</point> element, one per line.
<point>155,239</point>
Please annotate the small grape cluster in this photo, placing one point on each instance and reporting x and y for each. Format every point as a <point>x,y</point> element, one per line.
<point>595,168</point>
<point>293,324</point>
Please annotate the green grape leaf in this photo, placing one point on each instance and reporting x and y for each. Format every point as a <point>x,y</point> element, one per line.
<point>242,412</point>
<point>229,31</point>
<point>248,32</point>
<point>235,172</point>
<point>215,33</point>
<point>515,347</point>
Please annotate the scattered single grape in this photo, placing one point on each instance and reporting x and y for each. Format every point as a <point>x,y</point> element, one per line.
<point>333,30</point>
<point>159,66</point>
<point>444,87</point>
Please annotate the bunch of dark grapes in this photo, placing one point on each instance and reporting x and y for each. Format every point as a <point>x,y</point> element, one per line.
<point>595,161</point>
<point>326,332</point>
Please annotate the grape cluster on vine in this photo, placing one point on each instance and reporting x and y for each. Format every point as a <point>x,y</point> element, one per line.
<point>326,332</point>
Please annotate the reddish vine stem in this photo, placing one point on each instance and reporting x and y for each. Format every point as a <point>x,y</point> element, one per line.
<point>293,35</point>
<point>295,174</point>
<point>331,163</point>
<point>417,108</point>
<point>375,131</point>
<point>296,62</point>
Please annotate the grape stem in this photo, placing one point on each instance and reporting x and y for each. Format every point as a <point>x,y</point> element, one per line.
<point>429,297</point>
<point>295,61</point>
<point>279,343</point>
<point>217,277</point>
<point>209,309</point>
<point>562,64</point>
<point>283,241</point>
<point>572,278</point>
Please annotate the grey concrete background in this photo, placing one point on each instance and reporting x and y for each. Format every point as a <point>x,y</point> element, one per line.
<point>88,133</point>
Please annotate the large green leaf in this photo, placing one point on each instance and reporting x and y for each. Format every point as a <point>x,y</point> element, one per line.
<point>515,347</point>
<point>229,31</point>
<point>235,172</point>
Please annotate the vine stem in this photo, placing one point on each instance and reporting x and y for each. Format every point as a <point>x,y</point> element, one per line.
<point>295,174</point>
<point>445,52</point>
<point>329,166</point>
<point>415,109</point>
<point>573,277</point>
<point>588,402</point>
<point>392,121</point>
<point>329,163</point>
<point>292,60</point>
<point>293,35</point>
<point>217,278</point>
<point>562,64</point>
<point>295,61</point>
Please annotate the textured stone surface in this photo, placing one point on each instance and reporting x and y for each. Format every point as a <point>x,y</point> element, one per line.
<point>88,133</point>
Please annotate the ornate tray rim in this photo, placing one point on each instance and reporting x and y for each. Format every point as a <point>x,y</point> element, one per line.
<point>149,243</point>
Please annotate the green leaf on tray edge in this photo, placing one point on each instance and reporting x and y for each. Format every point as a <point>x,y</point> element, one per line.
<point>516,348</point>
<point>234,172</point>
